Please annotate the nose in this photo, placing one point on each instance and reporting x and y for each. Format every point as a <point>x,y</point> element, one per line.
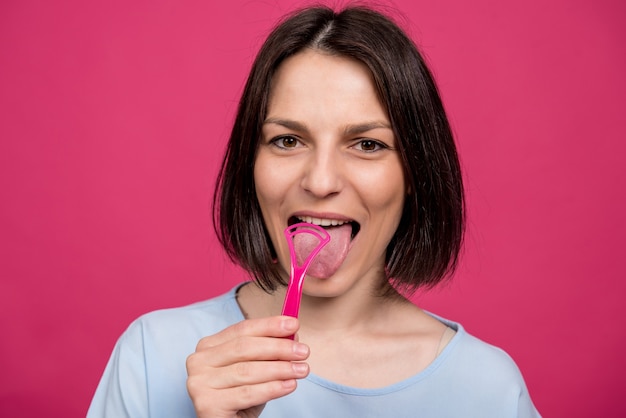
<point>322,175</point>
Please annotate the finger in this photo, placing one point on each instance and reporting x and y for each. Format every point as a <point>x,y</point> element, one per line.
<point>261,348</point>
<point>239,398</point>
<point>256,372</point>
<point>252,395</point>
<point>245,349</point>
<point>276,326</point>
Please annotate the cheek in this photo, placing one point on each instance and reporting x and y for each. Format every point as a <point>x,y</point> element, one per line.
<point>268,197</point>
<point>384,189</point>
<point>270,183</point>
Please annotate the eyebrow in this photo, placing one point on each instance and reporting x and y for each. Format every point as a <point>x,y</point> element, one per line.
<point>365,127</point>
<point>289,124</point>
<point>352,129</point>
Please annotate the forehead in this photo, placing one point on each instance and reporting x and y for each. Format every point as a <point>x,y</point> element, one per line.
<point>313,78</point>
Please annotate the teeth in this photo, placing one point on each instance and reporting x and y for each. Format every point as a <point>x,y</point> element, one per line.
<point>320,221</point>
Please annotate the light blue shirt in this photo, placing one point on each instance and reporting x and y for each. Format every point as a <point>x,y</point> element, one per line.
<point>146,376</point>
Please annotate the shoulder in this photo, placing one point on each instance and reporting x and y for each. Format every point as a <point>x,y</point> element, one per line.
<point>184,326</point>
<point>473,355</point>
<point>474,372</point>
<point>483,373</point>
<point>485,356</point>
<point>146,371</point>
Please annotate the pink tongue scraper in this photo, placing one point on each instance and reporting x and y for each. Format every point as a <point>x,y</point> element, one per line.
<point>297,273</point>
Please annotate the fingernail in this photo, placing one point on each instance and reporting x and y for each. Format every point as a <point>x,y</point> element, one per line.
<point>300,368</point>
<point>300,349</point>
<point>289,324</point>
<point>288,384</point>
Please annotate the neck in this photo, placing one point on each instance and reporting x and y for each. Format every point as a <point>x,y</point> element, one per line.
<point>353,310</point>
<point>358,308</point>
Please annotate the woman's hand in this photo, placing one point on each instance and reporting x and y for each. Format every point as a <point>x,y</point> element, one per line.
<point>236,371</point>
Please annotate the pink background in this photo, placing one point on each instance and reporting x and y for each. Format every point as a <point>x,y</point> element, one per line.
<point>113,117</point>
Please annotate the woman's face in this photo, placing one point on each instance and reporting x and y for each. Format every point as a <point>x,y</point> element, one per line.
<point>327,155</point>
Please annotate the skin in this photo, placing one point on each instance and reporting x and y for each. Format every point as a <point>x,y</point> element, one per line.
<point>326,129</point>
<point>326,150</point>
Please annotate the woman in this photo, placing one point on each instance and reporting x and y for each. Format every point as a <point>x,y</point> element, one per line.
<point>341,125</point>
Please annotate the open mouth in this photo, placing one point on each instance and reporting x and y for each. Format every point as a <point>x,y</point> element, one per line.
<point>326,223</point>
<point>342,233</point>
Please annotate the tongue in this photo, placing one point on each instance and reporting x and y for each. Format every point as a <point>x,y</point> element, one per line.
<point>328,261</point>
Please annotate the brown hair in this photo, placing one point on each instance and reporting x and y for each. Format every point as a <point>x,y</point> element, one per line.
<point>426,245</point>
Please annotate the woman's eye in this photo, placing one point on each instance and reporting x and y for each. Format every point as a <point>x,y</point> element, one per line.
<point>286,142</point>
<point>369,145</point>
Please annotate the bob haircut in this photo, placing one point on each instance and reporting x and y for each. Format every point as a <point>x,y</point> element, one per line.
<point>425,248</point>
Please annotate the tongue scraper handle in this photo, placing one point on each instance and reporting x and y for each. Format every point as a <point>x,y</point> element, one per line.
<point>297,273</point>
